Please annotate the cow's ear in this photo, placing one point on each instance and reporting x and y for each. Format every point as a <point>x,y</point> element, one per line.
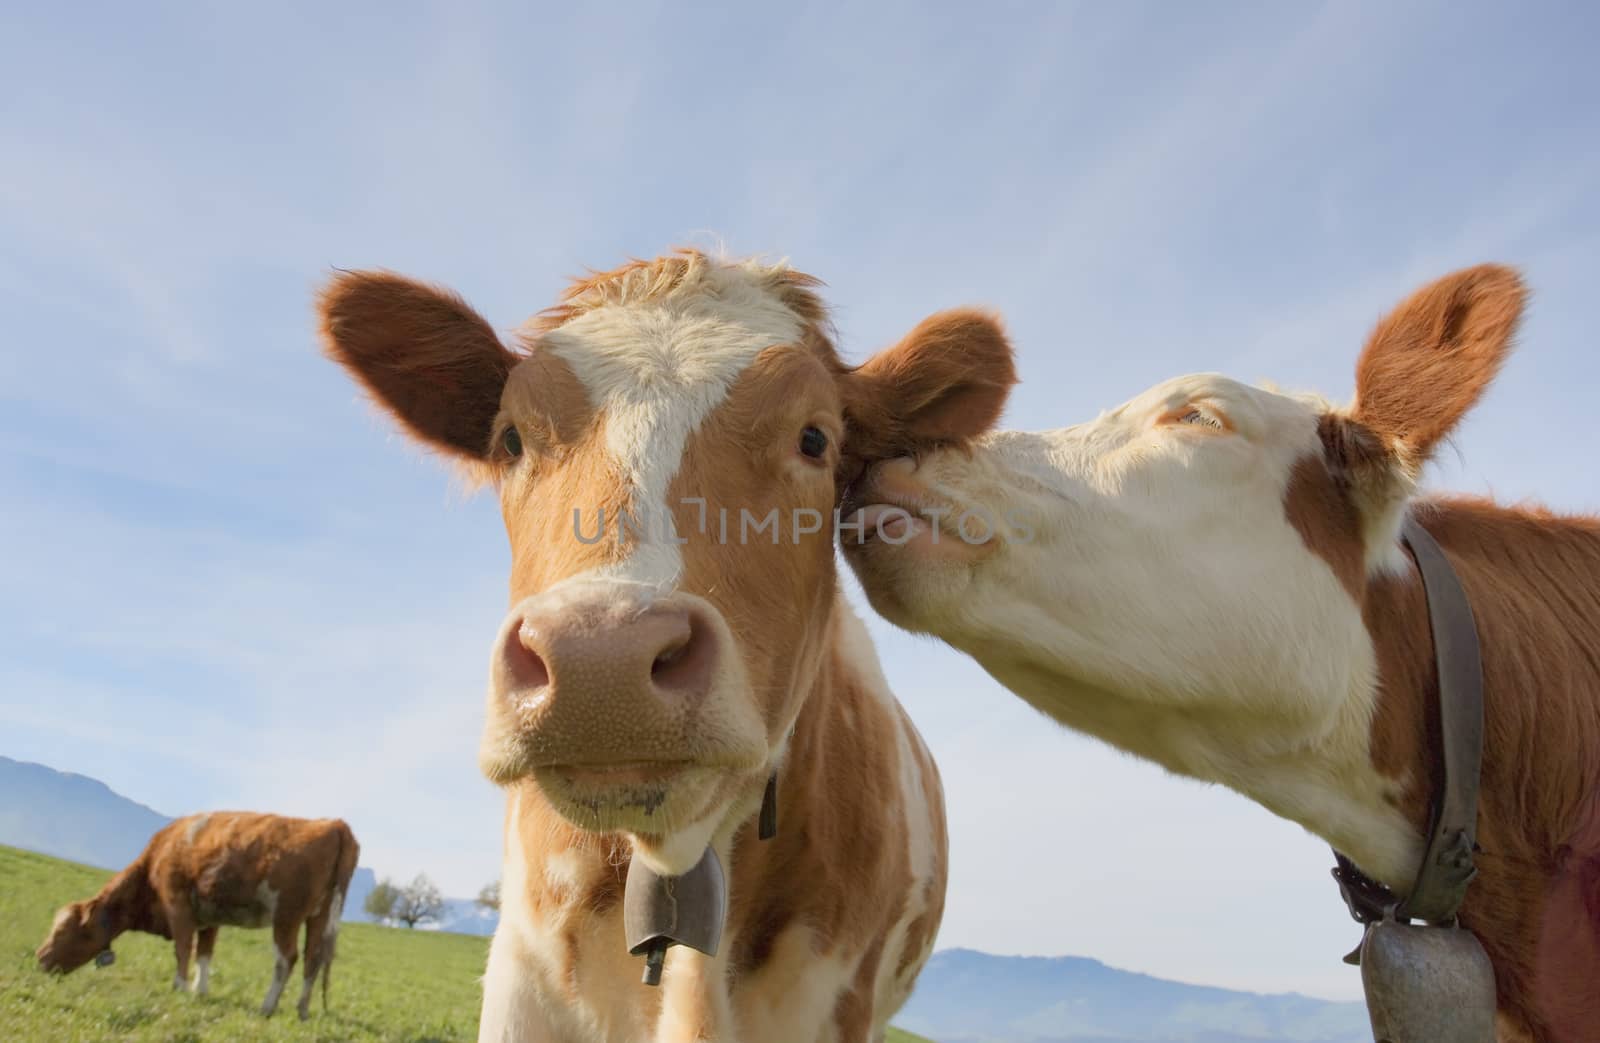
<point>945,382</point>
<point>1425,365</point>
<point>1430,360</point>
<point>422,352</point>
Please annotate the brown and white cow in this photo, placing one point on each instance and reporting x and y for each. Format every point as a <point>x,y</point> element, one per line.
<point>221,869</point>
<point>1209,576</point>
<point>649,678</point>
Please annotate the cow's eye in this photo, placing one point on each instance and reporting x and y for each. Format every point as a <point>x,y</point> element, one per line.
<point>511,442</point>
<point>1194,416</point>
<point>813,443</point>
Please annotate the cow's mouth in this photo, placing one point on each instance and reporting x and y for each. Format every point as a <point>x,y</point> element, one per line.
<point>622,774</point>
<point>52,963</point>
<point>637,797</point>
<point>930,526</point>
<point>885,522</point>
<point>886,505</point>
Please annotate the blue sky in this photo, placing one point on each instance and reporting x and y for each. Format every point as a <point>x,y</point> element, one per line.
<point>225,582</point>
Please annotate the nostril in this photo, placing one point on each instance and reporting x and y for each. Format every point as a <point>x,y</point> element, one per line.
<point>527,666</point>
<point>686,661</point>
<point>667,657</point>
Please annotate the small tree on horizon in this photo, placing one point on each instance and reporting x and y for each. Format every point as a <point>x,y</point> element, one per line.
<point>381,901</point>
<point>489,897</point>
<point>419,902</point>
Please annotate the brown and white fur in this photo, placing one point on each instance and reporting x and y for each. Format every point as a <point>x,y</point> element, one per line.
<point>1210,577</point>
<point>222,869</point>
<point>646,683</point>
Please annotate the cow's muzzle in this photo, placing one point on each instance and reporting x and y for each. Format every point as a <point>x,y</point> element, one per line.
<point>626,706</point>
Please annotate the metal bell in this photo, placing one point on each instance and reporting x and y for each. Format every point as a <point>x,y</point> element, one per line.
<point>659,912</point>
<point>1427,984</point>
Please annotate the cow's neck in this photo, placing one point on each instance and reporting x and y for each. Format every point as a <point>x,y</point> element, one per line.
<point>127,902</point>
<point>1365,786</point>
<point>1532,581</point>
<point>1315,772</point>
<point>566,885</point>
<point>1534,584</point>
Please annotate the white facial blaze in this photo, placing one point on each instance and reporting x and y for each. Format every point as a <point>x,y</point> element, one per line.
<point>656,369</point>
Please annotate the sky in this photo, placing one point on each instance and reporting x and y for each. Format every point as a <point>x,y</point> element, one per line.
<point>225,581</point>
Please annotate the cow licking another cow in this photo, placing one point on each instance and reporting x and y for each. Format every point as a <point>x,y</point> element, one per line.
<point>1214,581</point>
<point>1210,576</point>
<point>645,689</point>
<point>224,869</point>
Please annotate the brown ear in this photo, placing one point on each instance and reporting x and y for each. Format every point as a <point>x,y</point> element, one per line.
<point>1431,359</point>
<point>421,352</point>
<point>946,381</point>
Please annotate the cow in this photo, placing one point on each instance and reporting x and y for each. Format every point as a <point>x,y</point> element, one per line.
<point>1210,576</point>
<point>668,443</point>
<point>221,869</point>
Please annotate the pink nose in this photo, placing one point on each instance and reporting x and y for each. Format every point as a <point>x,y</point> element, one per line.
<point>597,678</point>
<point>663,652</point>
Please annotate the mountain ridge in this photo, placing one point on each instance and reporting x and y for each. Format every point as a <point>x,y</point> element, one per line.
<point>967,996</point>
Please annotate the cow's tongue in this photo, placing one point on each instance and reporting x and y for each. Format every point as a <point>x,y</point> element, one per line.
<point>659,912</point>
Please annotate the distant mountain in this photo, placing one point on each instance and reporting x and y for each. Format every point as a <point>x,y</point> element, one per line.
<point>361,884</point>
<point>71,816</point>
<point>971,997</point>
<point>82,819</point>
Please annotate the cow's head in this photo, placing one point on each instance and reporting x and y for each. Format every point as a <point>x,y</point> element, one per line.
<point>1204,547</point>
<point>81,932</point>
<point>669,445</point>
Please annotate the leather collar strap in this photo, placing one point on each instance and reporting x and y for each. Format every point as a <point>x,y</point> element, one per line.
<point>1447,867</point>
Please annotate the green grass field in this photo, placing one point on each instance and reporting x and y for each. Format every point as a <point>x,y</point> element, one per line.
<point>388,983</point>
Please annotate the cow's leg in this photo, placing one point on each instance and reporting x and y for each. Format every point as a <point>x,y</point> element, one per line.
<point>204,944</point>
<point>316,952</point>
<point>181,921</point>
<point>283,946</point>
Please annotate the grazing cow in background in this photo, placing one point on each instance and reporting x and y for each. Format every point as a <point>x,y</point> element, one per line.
<point>221,869</point>
<point>649,679</point>
<point>1214,581</point>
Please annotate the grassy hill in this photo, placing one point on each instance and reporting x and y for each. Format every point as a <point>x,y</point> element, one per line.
<point>388,984</point>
